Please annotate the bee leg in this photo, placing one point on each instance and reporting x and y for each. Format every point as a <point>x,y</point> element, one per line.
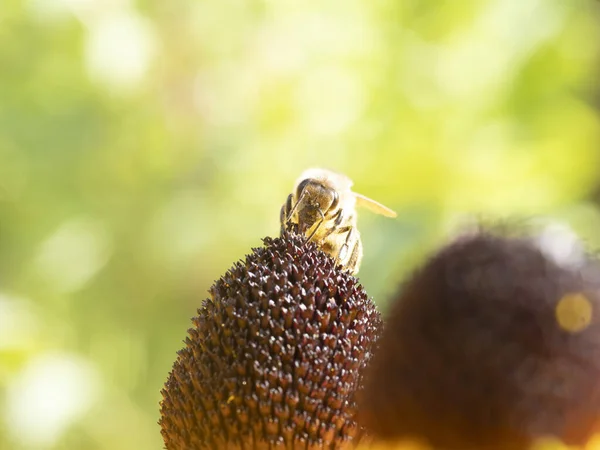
<point>355,257</point>
<point>284,214</point>
<point>318,225</point>
<point>338,220</point>
<point>345,247</point>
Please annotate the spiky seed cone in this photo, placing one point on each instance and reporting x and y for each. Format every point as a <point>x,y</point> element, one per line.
<point>275,356</point>
<point>490,345</point>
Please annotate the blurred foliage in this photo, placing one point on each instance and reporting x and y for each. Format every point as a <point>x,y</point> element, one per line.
<point>146,146</point>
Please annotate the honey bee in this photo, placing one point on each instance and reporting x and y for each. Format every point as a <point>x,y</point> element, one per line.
<point>323,207</point>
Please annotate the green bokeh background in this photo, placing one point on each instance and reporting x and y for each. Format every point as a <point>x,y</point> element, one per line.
<point>146,146</point>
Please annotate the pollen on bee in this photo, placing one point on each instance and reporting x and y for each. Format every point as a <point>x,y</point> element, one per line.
<point>574,312</point>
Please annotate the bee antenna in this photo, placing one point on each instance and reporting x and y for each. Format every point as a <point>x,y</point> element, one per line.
<point>289,216</point>
<point>317,227</point>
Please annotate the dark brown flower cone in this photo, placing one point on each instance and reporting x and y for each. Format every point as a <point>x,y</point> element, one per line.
<point>275,356</point>
<point>490,345</point>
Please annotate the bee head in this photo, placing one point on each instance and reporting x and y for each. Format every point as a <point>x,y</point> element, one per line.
<point>315,202</point>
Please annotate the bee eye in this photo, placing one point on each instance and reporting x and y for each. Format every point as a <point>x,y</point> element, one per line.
<point>301,187</point>
<point>336,201</point>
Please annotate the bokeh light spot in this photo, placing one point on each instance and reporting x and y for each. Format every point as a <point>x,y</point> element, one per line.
<point>574,312</point>
<point>51,392</point>
<point>19,326</point>
<point>551,444</point>
<point>73,254</point>
<point>593,443</point>
<point>404,444</point>
<point>120,50</point>
<point>559,242</point>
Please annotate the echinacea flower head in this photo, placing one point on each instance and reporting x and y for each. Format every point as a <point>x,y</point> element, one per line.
<point>274,357</point>
<point>492,344</point>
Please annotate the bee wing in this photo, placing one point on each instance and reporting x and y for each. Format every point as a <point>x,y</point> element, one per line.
<point>374,206</point>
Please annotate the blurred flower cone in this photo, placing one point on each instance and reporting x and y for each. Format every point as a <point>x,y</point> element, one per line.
<point>494,343</point>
